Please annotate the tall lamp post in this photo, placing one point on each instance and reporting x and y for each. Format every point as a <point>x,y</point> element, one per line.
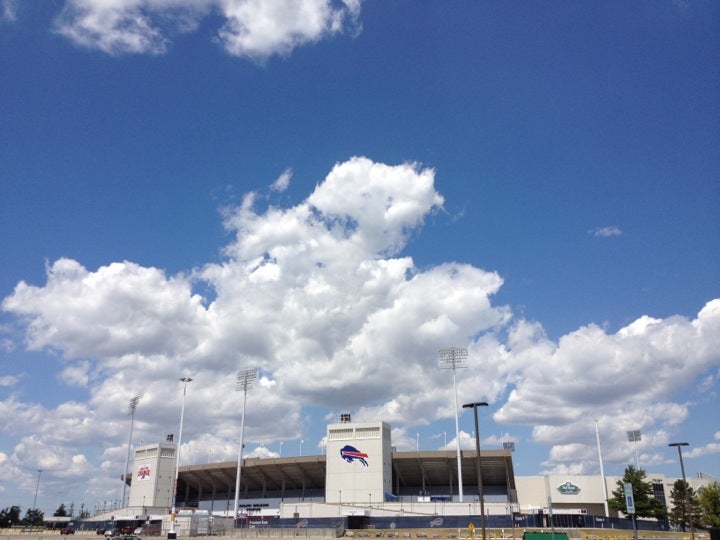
<point>133,406</point>
<point>37,486</point>
<point>481,494</point>
<point>245,379</point>
<point>634,436</point>
<point>686,487</point>
<point>185,381</point>
<point>602,470</point>
<point>453,358</point>
<point>510,447</point>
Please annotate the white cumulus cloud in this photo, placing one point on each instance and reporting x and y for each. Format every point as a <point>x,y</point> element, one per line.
<point>255,29</point>
<point>325,300</point>
<point>282,182</point>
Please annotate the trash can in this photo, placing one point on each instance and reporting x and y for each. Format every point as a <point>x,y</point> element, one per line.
<point>714,533</point>
<point>172,535</point>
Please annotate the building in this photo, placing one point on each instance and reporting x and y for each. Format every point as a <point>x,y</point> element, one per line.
<point>361,474</point>
<point>153,475</point>
<point>350,471</point>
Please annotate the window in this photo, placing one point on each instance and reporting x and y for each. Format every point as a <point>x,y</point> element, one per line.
<point>340,434</point>
<point>368,433</point>
<point>659,492</point>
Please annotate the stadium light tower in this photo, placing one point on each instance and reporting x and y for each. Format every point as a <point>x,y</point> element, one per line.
<point>245,380</point>
<point>478,462</point>
<point>185,381</point>
<point>37,487</point>
<point>454,358</point>
<point>634,436</point>
<point>133,406</point>
<point>602,470</point>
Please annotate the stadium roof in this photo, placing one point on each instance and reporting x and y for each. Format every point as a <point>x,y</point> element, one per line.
<point>413,472</point>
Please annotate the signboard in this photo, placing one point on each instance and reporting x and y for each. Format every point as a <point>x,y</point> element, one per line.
<point>143,472</point>
<point>568,488</point>
<point>629,500</point>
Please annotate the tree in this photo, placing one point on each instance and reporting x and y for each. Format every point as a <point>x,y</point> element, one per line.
<point>61,511</point>
<point>33,517</point>
<point>10,516</point>
<point>685,506</point>
<point>709,499</point>
<point>646,505</point>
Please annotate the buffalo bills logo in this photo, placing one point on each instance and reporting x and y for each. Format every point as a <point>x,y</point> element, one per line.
<point>350,454</point>
<point>436,522</point>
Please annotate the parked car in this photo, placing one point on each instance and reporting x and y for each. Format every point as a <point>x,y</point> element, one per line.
<point>152,529</point>
<point>67,530</point>
<point>110,533</point>
<point>126,530</point>
<point>128,537</point>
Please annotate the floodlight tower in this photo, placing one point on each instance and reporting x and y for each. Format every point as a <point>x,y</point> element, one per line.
<point>37,487</point>
<point>185,381</point>
<point>634,436</point>
<point>454,358</point>
<point>133,405</point>
<point>602,470</point>
<point>245,380</point>
<point>478,465</point>
<point>510,446</point>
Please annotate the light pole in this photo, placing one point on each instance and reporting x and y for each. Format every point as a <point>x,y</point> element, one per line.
<point>686,487</point>
<point>602,470</point>
<point>634,436</point>
<point>37,486</point>
<point>171,533</point>
<point>453,358</point>
<point>510,447</point>
<point>133,406</point>
<point>478,463</point>
<point>245,379</point>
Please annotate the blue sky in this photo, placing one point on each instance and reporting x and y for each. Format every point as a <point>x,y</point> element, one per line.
<point>331,197</point>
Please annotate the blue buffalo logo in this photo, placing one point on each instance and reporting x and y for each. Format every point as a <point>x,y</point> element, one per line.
<point>437,522</point>
<point>350,454</point>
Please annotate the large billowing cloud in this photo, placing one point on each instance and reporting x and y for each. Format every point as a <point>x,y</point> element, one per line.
<point>255,29</point>
<point>121,308</point>
<point>324,299</point>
